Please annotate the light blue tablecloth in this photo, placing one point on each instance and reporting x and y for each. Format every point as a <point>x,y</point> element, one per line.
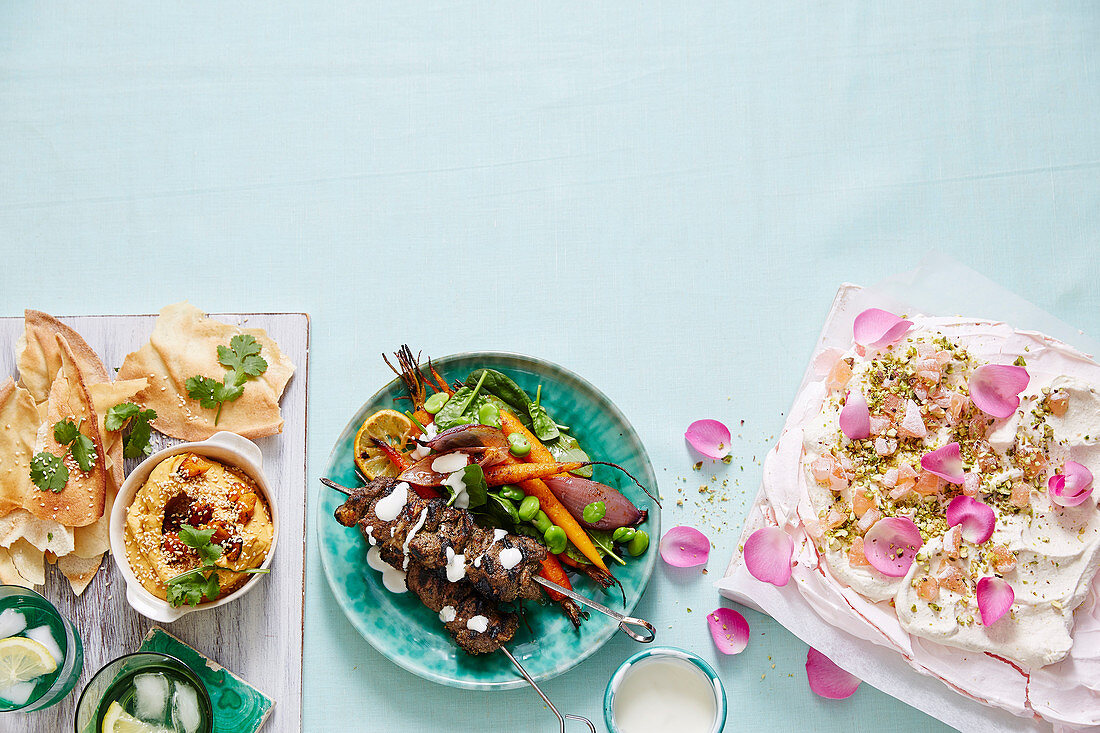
<point>662,197</point>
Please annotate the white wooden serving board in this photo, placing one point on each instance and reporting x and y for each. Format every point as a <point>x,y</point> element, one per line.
<point>258,637</point>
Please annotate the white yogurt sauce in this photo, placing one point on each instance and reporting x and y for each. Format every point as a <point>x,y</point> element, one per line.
<point>478,623</point>
<point>456,566</point>
<point>447,614</point>
<point>449,463</point>
<point>389,506</point>
<point>422,451</point>
<point>409,537</point>
<point>510,557</point>
<point>665,694</point>
<point>370,536</point>
<point>392,578</point>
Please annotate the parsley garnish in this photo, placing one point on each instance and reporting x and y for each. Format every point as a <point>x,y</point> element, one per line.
<point>202,582</point>
<point>137,443</point>
<point>242,359</point>
<point>48,472</point>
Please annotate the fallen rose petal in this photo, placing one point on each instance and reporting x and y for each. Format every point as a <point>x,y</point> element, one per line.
<point>876,328</point>
<point>729,629</point>
<point>995,388</point>
<point>768,554</point>
<point>855,417</point>
<point>827,679</point>
<point>1072,486</point>
<point>945,462</point>
<point>976,519</point>
<point>891,544</point>
<point>995,597</point>
<point>709,437</point>
<point>685,547</point>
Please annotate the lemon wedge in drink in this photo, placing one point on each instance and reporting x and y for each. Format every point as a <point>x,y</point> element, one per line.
<point>118,720</point>
<point>22,660</point>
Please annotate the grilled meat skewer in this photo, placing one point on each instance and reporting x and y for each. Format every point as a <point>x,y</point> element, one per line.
<point>501,566</point>
<point>475,623</point>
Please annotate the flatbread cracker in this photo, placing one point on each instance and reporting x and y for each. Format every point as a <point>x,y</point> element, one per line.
<point>184,343</point>
<point>9,575</point>
<point>29,562</point>
<point>45,534</point>
<point>82,500</point>
<point>19,422</point>
<point>79,571</point>
<point>39,359</point>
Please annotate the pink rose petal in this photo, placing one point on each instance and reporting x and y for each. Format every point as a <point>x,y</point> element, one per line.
<point>995,388</point>
<point>827,679</point>
<point>768,554</point>
<point>729,629</point>
<point>976,519</point>
<point>876,328</point>
<point>1072,486</point>
<point>685,547</point>
<point>945,462</point>
<point>709,437</point>
<point>891,544</point>
<point>995,597</point>
<point>855,417</point>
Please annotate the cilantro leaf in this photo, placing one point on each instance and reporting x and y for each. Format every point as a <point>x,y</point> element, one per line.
<point>83,450</point>
<point>118,415</point>
<point>65,432</point>
<point>190,587</point>
<point>48,472</point>
<point>137,444</point>
<point>199,540</point>
<point>243,355</point>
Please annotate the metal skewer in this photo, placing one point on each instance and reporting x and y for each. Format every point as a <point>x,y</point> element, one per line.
<point>545,699</point>
<point>625,622</point>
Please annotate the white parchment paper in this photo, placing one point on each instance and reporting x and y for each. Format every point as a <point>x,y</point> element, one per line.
<point>943,287</point>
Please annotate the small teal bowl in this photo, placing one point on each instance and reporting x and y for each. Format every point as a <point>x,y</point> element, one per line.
<point>667,652</point>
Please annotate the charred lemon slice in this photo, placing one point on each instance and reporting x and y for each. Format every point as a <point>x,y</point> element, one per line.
<point>389,426</point>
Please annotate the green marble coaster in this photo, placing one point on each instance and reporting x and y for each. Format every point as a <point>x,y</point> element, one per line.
<point>238,706</point>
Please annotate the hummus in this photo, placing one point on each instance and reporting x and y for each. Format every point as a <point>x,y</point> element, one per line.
<point>205,494</point>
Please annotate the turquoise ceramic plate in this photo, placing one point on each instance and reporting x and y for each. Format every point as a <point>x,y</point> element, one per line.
<point>408,633</point>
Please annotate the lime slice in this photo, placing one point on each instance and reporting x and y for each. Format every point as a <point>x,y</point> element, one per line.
<point>118,720</point>
<point>22,660</point>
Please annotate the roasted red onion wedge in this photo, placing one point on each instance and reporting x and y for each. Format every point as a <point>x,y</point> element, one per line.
<point>462,437</point>
<point>577,493</point>
<point>486,445</point>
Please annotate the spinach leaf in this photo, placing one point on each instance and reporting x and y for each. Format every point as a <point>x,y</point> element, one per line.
<point>496,513</point>
<point>503,387</point>
<point>573,553</point>
<point>603,542</point>
<point>462,408</point>
<point>476,489</point>
<point>567,449</point>
<point>541,423</point>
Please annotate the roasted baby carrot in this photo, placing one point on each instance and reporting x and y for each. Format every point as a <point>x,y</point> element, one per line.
<point>553,571</point>
<point>515,473</point>
<point>509,423</point>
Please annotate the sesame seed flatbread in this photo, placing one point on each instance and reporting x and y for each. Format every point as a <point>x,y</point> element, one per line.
<point>184,344</point>
<point>82,500</point>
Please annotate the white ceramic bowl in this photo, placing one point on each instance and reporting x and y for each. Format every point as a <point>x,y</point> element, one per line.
<point>228,448</point>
